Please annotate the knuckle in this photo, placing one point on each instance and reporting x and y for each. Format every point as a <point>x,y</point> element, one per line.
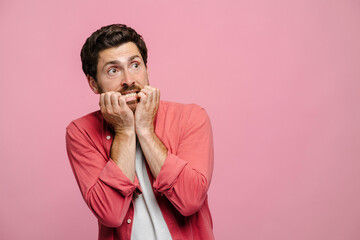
<point>108,110</point>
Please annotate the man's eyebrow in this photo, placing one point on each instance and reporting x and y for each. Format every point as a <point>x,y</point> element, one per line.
<point>133,57</point>
<point>117,62</point>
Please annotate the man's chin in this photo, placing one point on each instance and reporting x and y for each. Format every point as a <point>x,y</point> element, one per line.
<point>132,105</point>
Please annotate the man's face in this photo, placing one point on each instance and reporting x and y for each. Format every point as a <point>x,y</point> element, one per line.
<point>121,69</point>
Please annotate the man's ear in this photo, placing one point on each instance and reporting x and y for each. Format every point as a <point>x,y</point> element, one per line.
<point>92,84</point>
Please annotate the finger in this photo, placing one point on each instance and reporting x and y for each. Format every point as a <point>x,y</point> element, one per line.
<point>107,100</point>
<point>102,102</point>
<point>146,90</point>
<point>122,102</point>
<point>157,95</point>
<point>114,99</point>
<point>115,102</point>
<point>142,96</point>
<point>152,95</point>
<point>149,87</point>
<point>149,94</point>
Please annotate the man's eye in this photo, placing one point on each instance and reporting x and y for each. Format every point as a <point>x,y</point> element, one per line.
<point>112,71</point>
<point>135,65</point>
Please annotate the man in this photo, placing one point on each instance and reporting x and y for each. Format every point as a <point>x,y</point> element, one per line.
<point>143,165</point>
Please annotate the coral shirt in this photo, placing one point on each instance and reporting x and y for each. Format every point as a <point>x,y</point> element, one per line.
<point>180,188</point>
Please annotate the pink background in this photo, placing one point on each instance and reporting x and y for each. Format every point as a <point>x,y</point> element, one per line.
<point>280,80</point>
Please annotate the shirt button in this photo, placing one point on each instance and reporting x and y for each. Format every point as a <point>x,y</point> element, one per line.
<point>108,137</point>
<point>129,220</point>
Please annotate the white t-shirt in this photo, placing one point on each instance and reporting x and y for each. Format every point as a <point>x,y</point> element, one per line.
<point>148,220</point>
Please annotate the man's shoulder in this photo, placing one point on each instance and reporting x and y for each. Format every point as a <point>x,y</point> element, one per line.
<point>172,111</point>
<point>178,120</point>
<point>174,107</point>
<point>91,120</point>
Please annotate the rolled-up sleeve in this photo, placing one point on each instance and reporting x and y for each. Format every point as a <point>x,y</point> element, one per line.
<point>186,173</point>
<point>104,187</point>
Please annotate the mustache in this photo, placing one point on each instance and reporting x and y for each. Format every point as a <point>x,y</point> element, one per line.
<point>127,88</point>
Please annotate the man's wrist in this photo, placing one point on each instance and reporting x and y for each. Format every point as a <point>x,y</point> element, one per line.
<point>144,131</point>
<point>128,132</point>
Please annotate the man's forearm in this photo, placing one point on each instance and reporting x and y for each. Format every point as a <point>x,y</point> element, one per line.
<point>123,153</point>
<point>153,149</point>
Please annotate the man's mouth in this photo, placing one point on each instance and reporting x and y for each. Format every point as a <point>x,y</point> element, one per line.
<point>131,96</point>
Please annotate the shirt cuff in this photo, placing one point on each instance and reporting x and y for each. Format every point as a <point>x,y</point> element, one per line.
<point>112,176</point>
<point>168,174</point>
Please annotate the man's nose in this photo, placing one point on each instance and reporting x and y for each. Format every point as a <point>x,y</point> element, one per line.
<point>127,79</point>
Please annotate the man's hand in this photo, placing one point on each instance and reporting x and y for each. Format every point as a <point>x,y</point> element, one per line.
<point>146,109</point>
<point>116,112</point>
<point>154,150</point>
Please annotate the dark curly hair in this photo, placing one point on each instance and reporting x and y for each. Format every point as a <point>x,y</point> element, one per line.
<point>108,37</point>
